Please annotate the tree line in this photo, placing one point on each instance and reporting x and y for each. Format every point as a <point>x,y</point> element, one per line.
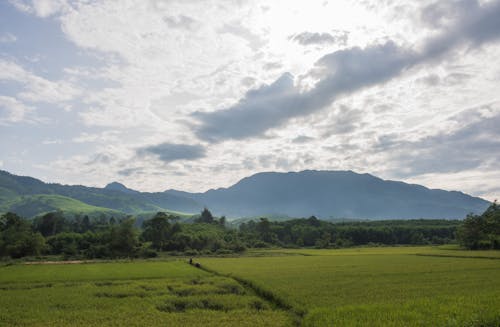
<point>312,232</point>
<point>84,237</point>
<point>102,237</point>
<point>481,232</point>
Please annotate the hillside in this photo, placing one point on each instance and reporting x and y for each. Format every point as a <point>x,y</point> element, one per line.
<point>33,205</point>
<point>123,200</point>
<point>334,194</point>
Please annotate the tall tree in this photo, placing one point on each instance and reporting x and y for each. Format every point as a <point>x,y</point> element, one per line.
<point>158,230</point>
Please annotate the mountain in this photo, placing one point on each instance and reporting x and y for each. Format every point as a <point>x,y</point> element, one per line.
<point>115,186</point>
<point>334,194</point>
<point>325,194</point>
<point>17,195</point>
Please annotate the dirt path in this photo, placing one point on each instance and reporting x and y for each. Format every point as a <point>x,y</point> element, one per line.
<point>69,262</point>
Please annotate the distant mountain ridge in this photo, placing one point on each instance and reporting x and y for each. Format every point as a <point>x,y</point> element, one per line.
<point>326,194</point>
<point>334,194</point>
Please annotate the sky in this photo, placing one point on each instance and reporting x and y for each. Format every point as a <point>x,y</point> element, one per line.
<point>193,95</point>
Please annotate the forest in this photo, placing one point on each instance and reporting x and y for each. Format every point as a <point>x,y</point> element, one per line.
<point>103,237</point>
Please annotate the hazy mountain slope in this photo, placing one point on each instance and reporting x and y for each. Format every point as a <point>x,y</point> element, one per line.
<point>326,194</point>
<point>33,205</point>
<point>121,199</point>
<point>334,194</point>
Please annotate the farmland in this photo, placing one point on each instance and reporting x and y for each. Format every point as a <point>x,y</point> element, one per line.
<point>380,286</point>
<point>128,294</point>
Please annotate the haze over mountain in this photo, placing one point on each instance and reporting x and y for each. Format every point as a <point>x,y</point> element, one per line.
<point>334,194</point>
<point>326,194</point>
<point>19,194</point>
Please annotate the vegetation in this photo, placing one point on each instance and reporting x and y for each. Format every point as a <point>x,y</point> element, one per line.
<point>380,286</point>
<point>30,197</point>
<point>137,293</point>
<point>321,234</point>
<point>85,237</point>
<point>32,205</point>
<point>82,236</point>
<point>17,239</point>
<point>481,231</point>
<point>390,286</point>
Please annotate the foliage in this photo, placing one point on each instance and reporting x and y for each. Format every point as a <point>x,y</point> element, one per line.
<point>103,237</point>
<point>159,230</point>
<point>312,232</point>
<point>481,231</point>
<point>17,239</point>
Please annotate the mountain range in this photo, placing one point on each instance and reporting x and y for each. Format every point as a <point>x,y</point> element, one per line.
<point>325,194</point>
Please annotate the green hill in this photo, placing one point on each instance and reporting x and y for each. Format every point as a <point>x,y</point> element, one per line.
<point>115,198</point>
<point>34,205</point>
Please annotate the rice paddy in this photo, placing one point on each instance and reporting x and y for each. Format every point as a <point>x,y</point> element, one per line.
<point>129,294</point>
<point>393,286</point>
<point>400,286</point>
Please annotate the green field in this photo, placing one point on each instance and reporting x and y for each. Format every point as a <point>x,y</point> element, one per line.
<point>142,293</point>
<point>384,286</point>
<point>378,286</point>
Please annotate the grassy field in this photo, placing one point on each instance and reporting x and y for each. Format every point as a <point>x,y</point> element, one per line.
<point>141,293</point>
<point>378,286</point>
<point>383,286</point>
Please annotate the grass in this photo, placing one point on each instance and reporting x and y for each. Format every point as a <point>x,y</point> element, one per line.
<point>128,294</point>
<point>377,286</point>
<point>382,286</point>
<point>33,205</point>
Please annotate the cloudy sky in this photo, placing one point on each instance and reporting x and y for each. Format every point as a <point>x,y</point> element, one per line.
<point>194,95</point>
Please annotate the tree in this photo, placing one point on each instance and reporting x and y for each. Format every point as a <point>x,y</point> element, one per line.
<point>50,224</point>
<point>264,229</point>
<point>123,239</point>
<point>17,238</point>
<point>205,217</point>
<point>158,230</point>
<point>481,232</point>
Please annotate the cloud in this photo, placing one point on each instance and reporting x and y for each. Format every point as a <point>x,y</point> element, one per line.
<point>474,25</point>
<point>339,73</point>
<point>7,38</point>
<point>261,109</point>
<point>346,120</point>
<point>127,172</point>
<point>13,111</point>
<point>471,145</point>
<point>36,88</point>
<point>302,139</point>
<point>308,38</point>
<point>41,8</point>
<point>255,42</point>
<point>181,21</point>
<point>168,152</point>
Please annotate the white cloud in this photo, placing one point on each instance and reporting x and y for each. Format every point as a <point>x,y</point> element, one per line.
<point>41,8</point>
<point>46,8</point>
<point>13,111</point>
<point>7,38</point>
<point>36,88</point>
